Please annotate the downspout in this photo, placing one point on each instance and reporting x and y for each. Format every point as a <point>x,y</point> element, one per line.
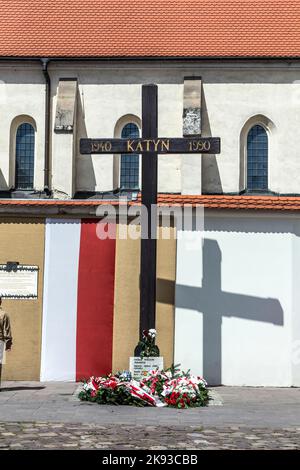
<point>45,63</point>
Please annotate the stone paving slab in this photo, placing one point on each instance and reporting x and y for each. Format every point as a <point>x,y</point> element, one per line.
<point>242,406</point>
<point>24,436</point>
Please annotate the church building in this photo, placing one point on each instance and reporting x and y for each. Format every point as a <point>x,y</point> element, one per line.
<point>228,297</point>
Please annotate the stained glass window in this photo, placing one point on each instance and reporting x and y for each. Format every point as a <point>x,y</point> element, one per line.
<point>257,159</point>
<point>24,157</point>
<point>130,163</point>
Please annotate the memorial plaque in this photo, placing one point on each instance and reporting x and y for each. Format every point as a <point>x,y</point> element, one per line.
<point>19,283</point>
<point>192,106</point>
<point>66,104</point>
<point>140,366</point>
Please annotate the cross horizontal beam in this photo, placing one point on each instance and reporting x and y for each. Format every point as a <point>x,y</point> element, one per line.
<point>162,145</point>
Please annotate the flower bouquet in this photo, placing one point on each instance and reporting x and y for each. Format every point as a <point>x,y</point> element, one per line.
<point>171,387</point>
<point>176,388</point>
<point>147,346</point>
<point>117,389</point>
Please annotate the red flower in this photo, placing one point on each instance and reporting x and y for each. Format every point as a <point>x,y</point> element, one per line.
<point>111,384</point>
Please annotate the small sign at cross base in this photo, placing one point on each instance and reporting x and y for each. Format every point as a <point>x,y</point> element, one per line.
<point>141,366</point>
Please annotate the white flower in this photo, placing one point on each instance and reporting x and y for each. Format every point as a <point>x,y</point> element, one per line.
<point>152,333</point>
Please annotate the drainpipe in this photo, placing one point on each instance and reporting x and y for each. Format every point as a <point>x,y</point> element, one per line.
<point>45,63</point>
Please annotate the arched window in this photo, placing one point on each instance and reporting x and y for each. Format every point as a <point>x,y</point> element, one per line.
<point>24,157</point>
<point>130,163</point>
<point>257,159</point>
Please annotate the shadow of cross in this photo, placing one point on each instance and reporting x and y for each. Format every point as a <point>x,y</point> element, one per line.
<point>215,304</point>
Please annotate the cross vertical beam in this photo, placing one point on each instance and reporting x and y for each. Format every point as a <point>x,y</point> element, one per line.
<point>149,199</point>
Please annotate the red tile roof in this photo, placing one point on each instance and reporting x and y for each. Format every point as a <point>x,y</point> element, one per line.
<point>154,28</point>
<point>267,203</point>
<point>253,203</point>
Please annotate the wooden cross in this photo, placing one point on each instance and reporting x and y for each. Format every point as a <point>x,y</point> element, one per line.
<point>150,145</point>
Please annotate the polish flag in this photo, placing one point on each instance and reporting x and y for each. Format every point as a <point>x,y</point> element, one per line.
<point>78,303</point>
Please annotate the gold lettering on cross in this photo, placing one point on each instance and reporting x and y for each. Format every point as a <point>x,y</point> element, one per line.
<point>95,147</point>
<point>129,145</point>
<point>165,144</point>
<point>139,147</point>
<point>156,144</point>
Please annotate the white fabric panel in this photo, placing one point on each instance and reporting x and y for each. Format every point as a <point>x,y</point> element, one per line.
<point>234,302</point>
<point>256,276</point>
<point>295,350</point>
<point>188,350</point>
<point>60,300</point>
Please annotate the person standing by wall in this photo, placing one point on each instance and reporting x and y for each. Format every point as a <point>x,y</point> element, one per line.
<point>5,335</point>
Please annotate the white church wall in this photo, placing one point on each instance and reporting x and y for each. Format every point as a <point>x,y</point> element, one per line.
<point>231,97</point>
<point>22,93</point>
<point>236,322</point>
<point>232,94</point>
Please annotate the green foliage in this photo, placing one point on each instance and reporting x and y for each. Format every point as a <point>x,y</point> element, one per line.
<point>148,348</point>
<point>109,396</point>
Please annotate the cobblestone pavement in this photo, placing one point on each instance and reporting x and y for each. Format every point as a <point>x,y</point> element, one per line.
<point>83,436</point>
